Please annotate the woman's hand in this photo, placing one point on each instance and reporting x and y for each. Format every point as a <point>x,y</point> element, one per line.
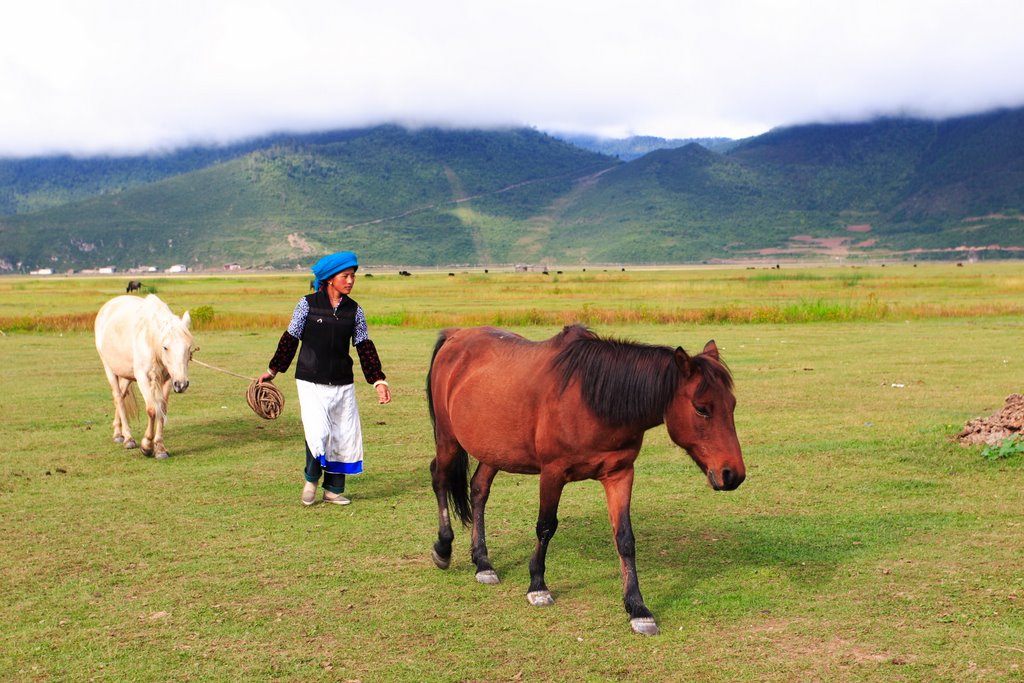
<point>383,393</point>
<point>268,376</point>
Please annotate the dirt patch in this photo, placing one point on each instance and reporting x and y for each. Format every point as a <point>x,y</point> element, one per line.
<point>297,241</point>
<point>996,428</point>
<point>991,216</point>
<point>864,227</point>
<point>805,244</point>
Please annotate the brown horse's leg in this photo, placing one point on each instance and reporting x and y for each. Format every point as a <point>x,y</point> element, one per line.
<point>547,522</point>
<point>441,553</point>
<point>480,490</point>
<point>618,489</point>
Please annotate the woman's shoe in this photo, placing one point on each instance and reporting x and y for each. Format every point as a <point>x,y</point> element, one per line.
<point>335,498</point>
<point>309,493</point>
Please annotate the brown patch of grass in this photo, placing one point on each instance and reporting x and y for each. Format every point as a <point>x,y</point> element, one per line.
<point>68,322</point>
<point>809,311</point>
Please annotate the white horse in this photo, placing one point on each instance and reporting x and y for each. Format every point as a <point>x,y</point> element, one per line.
<point>141,341</point>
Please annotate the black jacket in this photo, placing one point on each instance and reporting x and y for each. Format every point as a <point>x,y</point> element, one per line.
<point>324,356</point>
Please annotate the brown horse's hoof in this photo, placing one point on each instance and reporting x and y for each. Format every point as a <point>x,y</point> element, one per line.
<point>118,439</point>
<point>488,576</point>
<point>441,562</point>
<point>645,626</point>
<point>162,455</point>
<point>540,598</point>
<point>130,444</point>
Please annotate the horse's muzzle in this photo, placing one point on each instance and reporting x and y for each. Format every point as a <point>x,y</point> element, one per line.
<point>725,479</point>
<point>180,387</point>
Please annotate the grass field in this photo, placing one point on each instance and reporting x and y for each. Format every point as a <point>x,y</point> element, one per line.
<point>864,545</point>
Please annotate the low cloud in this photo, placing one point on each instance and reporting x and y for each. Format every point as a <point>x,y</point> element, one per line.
<point>124,77</point>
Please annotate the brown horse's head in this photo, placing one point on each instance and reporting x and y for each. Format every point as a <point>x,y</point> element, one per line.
<point>700,417</point>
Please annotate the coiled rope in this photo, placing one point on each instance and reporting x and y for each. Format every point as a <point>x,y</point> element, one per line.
<point>264,398</point>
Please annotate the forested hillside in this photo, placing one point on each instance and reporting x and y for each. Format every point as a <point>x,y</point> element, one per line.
<point>895,188</point>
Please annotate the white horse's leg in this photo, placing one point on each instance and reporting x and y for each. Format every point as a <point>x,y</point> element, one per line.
<point>161,418</point>
<point>147,438</point>
<point>124,385</point>
<point>118,385</point>
<point>149,396</point>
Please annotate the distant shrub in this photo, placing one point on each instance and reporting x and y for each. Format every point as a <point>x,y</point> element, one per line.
<point>202,315</point>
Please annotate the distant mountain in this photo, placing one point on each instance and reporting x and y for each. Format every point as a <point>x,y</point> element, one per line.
<point>636,146</point>
<point>895,188</point>
<point>397,196</point>
<point>898,187</point>
<point>37,183</point>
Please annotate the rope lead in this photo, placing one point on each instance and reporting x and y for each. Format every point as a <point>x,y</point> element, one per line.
<point>264,398</point>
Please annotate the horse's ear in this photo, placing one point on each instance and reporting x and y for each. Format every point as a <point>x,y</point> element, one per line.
<point>711,349</point>
<point>682,361</point>
<point>187,319</point>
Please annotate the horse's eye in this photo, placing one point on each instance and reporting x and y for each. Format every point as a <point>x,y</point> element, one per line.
<point>703,411</point>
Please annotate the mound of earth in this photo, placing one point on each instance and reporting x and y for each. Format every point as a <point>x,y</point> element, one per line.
<point>993,430</point>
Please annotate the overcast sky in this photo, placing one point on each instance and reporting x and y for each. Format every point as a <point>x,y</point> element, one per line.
<point>126,76</point>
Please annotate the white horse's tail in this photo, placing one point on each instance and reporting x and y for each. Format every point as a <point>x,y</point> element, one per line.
<point>128,400</point>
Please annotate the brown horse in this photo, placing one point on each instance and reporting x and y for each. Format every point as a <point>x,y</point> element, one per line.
<point>570,408</point>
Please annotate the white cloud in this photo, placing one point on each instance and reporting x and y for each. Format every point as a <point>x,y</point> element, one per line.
<point>132,75</point>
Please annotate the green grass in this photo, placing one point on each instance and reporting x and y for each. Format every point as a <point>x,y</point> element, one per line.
<point>864,545</point>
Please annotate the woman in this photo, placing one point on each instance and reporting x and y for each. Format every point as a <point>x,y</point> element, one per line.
<point>325,322</point>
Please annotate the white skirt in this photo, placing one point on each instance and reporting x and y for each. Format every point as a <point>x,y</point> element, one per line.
<point>330,419</point>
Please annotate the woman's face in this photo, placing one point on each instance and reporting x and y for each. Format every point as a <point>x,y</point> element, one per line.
<point>343,281</point>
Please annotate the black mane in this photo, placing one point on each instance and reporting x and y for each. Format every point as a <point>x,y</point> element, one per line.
<point>625,382</point>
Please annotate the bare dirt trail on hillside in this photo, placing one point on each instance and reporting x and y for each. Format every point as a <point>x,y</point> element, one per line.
<point>459,200</point>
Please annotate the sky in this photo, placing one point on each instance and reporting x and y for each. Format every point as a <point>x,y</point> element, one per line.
<point>141,76</point>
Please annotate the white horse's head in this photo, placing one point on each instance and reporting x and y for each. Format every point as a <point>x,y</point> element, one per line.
<point>176,350</point>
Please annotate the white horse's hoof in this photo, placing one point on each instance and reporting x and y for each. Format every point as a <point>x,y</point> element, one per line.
<point>162,456</point>
<point>540,598</point>
<point>645,626</point>
<point>130,444</point>
<point>439,561</point>
<point>488,576</point>
<point>118,439</point>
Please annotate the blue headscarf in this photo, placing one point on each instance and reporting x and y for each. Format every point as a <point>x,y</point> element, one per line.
<point>333,264</point>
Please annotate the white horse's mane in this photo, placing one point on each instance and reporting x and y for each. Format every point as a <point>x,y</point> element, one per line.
<point>159,319</point>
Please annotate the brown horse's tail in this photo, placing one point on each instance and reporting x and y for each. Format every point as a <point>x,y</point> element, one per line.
<point>457,474</point>
<point>457,477</point>
<point>441,339</point>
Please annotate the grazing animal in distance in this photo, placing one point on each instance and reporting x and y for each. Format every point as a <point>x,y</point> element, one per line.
<point>142,341</point>
<point>570,408</point>
<point>133,286</point>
